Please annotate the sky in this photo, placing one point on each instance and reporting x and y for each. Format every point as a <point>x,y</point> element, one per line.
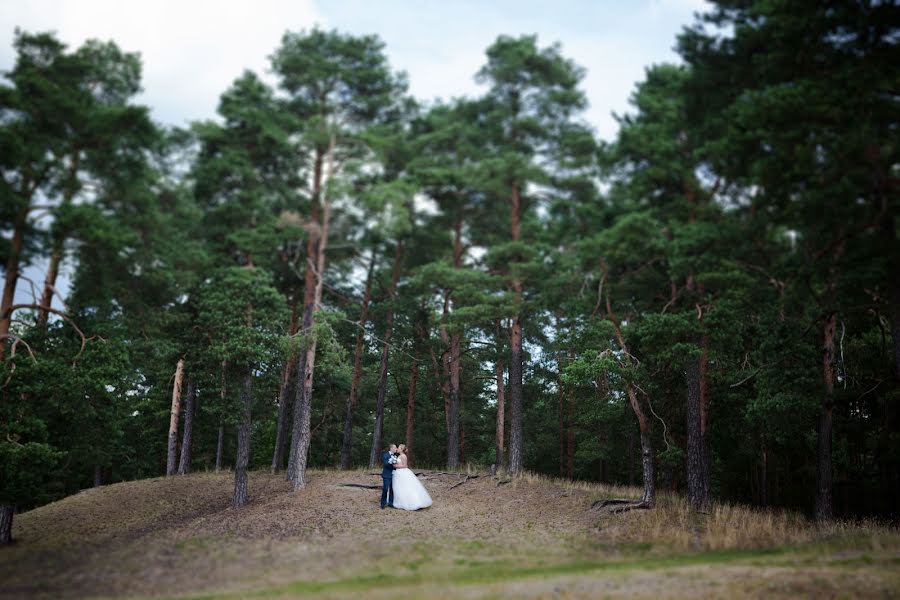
<point>192,50</point>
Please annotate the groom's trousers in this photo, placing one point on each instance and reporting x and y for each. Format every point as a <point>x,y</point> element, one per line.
<point>387,493</point>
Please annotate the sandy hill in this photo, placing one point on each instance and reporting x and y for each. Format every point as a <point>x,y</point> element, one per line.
<point>483,536</point>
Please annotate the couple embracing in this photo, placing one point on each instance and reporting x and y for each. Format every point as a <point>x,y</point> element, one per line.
<point>401,488</point>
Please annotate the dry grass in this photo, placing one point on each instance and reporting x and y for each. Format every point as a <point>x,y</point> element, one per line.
<point>180,535</point>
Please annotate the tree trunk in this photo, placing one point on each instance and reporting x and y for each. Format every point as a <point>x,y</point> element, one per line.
<point>630,458</point>
<point>516,431</point>
<point>241,491</point>
<point>385,355</point>
<point>59,240</point>
<point>647,457</point>
<point>696,488</point>
<point>12,278</point>
<point>347,441</point>
<point>824,510</point>
<point>6,520</point>
<point>570,437</point>
<point>184,465</point>
<point>453,432</point>
<point>411,406</point>
<point>501,408</point>
<point>312,294</point>
<point>284,407</point>
<point>98,475</point>
<point>220,444</point>
<point>173,418</point>
<point>561,415</point>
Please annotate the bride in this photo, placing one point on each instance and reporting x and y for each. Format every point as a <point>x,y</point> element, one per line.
<point>409,493</point>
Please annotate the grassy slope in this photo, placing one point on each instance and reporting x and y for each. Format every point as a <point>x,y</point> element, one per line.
<point>534,536</point>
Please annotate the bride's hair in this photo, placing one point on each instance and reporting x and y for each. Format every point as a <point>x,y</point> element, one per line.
<point>401,447</point>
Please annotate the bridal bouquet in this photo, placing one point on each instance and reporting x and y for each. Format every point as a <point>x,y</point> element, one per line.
<point>394,459</point>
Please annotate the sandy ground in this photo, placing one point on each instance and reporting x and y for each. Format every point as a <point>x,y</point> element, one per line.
<point>180,537</point>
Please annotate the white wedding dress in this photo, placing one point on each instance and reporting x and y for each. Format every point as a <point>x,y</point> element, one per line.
<point>409,493</point>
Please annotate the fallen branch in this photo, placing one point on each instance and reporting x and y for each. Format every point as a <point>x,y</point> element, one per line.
<point>361,485</point>
<point>503,481</point>
<point>600,504</point>
<point>468,477</point>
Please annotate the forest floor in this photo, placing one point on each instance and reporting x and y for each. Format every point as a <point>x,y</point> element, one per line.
<point>530,537</point>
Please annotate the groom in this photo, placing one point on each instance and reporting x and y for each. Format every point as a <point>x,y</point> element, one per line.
<point>387,475</point>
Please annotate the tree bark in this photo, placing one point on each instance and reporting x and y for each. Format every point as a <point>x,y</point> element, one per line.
<point>647,457</point>
<point>241,484</point>
<point>411,406</point>
<point>516,431</point>
<point>501,408</point>
<point>570,437</point>
<point>453,431</point>
<point>696,488</point>
<point>824,509</point>
<point>312,295</point>
<point>220,444</point>
<point>12,277</point>
<point>59,241</point>
<point>6,520</point>
<point>385,355</point>
<point>173,417</point>
<point>98,475</point>
<point>284,398</point>
<point>184,465</point>
<point>561,415</point>
<point>353,398</point>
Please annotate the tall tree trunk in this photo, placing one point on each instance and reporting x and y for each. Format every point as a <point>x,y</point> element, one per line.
<point>98,475</point>
<point>647,457</point>
<point>501,409</point>
<point>561,415</point>
<point>312,295</point>
<point>385,355</point>
<point>570,437</point>
<point>59,240</point>
<point>173,418</point>
<point>630,458</point>
<point>347,441</point>
<point>12,278</point>
<point>284,398</point>
<point>453,421</point>
<point>516,431</point>
<point>190,408</point>
<point>703,368</point>
<point>824,510</point>
<point>411,406</point>
<point>220,444</point>
<point>6,520</point>
<point>696,489</point>
<point>241,487</point>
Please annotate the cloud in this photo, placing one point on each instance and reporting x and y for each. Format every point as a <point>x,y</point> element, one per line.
<point>191,49</point>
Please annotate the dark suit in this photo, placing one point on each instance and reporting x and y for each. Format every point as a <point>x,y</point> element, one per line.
<point>387,475</point>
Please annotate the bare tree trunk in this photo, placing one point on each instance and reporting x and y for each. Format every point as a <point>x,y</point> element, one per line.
<point>173,418</point>
<point>12,278</point>
<point>385,355</point>
<point>647,457</point>
<point>352,400</point>
<point>98,475</point>
<point>570,437</point>
<point>241,484</point>
<point>516,431</point>
<point>284,398</point>
<point>220,444</point>
<point>561,415</point>
<point>59,239</point>
<point>453,422</point>
<point>411,406</point>
<point>630,458</point>
<point>6,520</point>
<point>184,465</point>
<point>501,408</point>
<point>696,490</point>
<point>220,447</point>
<point>703,368</point>
<point>824,509</point>
<point>312,295</point>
